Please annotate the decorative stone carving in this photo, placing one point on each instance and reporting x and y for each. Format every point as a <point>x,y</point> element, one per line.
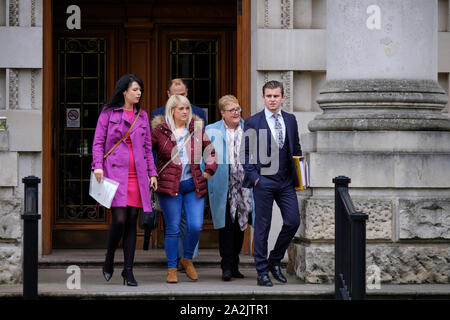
<point>286,79</point>
<point>286,14</point>
<point>13,88</point>
<point>266,13</point>
<point>33,13</point>
<point>424,218</point>
<point>14,13</point>
<point>34,74</point>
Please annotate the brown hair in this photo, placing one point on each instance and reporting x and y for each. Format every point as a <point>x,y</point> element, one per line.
<point>171,81</point>
<point>273,84</point>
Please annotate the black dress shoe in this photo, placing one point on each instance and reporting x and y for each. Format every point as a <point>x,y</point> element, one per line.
<point>237,274</point>
<point>276,272</point>
<point>226,275</point>
<point>264,280</point>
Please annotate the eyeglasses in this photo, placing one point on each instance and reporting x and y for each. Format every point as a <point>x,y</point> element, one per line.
<point>235,110</point>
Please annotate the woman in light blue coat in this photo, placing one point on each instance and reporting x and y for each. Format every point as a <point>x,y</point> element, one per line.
<point>232,206</point>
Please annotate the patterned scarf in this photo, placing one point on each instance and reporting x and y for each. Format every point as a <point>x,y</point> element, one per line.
<point>239,198</point>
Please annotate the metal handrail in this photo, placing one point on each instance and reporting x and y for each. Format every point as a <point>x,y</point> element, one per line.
<point>350,245</point>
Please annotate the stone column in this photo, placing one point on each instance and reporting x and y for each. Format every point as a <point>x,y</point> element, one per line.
<point>381,67</point>
<point>381,126</point>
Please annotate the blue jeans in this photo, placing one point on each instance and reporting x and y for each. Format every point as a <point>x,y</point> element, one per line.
<point>183,228</point>
<point>172,207</point>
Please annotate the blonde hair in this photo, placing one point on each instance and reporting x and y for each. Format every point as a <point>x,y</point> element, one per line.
<point>229,98</point>
<point>171,104</point>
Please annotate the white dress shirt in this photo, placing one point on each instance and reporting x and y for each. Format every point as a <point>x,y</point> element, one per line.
<point>231,141</point>
<point>271,121</point>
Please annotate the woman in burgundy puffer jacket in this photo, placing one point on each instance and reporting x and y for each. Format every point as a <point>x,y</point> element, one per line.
<point>181,184</point>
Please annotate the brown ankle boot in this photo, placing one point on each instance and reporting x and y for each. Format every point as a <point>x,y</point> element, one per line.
<point>189,267</point>
<point>172,276</point>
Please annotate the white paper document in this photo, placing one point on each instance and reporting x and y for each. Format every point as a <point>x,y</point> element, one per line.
<point>304,173</point>
<point>104,192</point>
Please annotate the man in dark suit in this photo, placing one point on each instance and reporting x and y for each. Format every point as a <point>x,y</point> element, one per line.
<point>177,86</point>
<point>271,140</point>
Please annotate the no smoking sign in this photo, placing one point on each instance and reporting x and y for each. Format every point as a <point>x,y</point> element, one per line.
<point>73,117</point>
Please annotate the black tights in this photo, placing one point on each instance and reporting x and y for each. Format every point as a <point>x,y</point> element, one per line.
<point>124,220</point>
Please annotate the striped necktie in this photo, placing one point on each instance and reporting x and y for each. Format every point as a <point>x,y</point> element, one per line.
<point>278,130</point>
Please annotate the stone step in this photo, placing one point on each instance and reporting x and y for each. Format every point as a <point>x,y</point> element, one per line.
<point>152,286</point>
<point>153,257</point>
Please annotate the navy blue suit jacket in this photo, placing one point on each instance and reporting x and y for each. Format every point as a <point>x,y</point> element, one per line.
<point>195,110</point>
<point>253,163</point>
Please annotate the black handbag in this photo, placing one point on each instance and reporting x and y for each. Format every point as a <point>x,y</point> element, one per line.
<point>148,221</point>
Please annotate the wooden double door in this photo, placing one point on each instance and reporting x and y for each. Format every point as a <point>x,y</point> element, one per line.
<point>157,42</point>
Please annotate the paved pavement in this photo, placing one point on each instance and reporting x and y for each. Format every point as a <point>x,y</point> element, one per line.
<point>56,283</point>
<point>152,285</point>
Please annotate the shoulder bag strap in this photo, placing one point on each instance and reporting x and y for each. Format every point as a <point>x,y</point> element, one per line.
<point>178,151</point>
<point>123,138</point>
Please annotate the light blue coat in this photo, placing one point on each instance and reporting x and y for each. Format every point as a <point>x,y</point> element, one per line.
<point>218,183</point>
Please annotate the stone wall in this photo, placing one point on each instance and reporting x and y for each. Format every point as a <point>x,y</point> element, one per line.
<point>21,104</point>
<point>10,240</point>
<point>407,239</point>
<point>397,263</point>
<point>379,130</point>
<point>408,230</point>
<point>10,211</point>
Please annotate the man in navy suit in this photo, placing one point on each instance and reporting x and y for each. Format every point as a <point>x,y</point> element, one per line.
<point>271,140</point>
<point>177,86</point>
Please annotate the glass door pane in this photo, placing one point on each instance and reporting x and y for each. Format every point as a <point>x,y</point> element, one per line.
<point>196,62</point>
<point>81,95</point>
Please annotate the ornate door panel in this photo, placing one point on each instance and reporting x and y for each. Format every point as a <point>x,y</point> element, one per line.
<point>81,93</point>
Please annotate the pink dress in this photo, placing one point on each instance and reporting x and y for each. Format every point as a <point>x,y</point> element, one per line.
<point>133,193</point>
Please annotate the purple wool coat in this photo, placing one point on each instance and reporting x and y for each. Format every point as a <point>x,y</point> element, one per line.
<point>112,125</point>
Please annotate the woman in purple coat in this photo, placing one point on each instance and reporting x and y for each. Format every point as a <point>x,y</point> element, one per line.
<point>130,163</point>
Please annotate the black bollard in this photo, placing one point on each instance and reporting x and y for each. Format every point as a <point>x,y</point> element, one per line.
<point>30,238</point>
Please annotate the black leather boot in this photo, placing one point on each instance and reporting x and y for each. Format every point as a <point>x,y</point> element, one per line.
<point>128,277</point>
<point>108,267</point>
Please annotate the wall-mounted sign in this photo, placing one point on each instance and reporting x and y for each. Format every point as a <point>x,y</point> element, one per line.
<point>73,117</point>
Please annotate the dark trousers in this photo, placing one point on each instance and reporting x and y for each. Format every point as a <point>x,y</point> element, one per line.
<point>265,192</point>
<point>230,242</point>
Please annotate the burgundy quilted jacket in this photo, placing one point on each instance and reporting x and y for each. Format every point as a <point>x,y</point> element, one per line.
<point>163,142</point>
